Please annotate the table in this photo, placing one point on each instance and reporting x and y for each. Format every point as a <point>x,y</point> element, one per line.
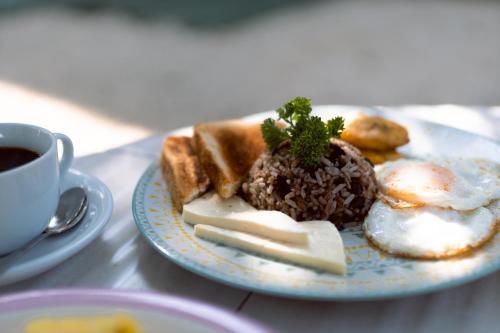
<point>121,258</point>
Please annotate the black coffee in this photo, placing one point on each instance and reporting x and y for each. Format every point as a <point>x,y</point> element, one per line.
<point>12,157</point>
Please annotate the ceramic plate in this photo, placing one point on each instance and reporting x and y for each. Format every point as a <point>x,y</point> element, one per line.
<point>155,313</point>
<point>370,274</point>
<point>55,249</point>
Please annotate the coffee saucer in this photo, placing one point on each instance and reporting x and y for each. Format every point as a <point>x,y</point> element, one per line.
<point>55,249</point>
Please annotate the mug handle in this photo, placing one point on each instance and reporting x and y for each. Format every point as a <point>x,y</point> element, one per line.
<point>67,155</point>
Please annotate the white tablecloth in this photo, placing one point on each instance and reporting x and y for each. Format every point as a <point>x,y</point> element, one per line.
<point>121,258</point>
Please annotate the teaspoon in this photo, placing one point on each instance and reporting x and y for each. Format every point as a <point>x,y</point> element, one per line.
<point>70,211</point>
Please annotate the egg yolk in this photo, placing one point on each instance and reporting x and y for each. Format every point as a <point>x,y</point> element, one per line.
<point>416,182</point>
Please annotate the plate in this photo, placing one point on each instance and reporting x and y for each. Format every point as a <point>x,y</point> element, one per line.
<point>154,312</point>
<point>55,249</point>
<point>370,274</point>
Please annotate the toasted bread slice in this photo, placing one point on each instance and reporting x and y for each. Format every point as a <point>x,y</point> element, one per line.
<point>182,170</point>
<point>227,151</point>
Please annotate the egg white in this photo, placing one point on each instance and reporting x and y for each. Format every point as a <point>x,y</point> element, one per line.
<point>428,232</point>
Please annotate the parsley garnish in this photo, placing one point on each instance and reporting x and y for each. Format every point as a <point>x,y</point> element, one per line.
<point>309,136</point>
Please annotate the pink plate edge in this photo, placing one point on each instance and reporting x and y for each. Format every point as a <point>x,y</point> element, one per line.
<point>190,309</point>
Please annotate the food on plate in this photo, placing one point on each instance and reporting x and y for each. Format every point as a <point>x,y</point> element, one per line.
<point>297,169</point>
<point>434,208</point>
<point>395,202</point>
<point>449,183</point>
<point>306,174</point>
<point>428,232</point>
<point>227,150</point>
<point>380,156</point>
<point>376,137</point>
<point>182,170</point>
<point>325,251</point>
<point>375,133</point>
<point>341,189</point>
<point>481,173</point>
<point>119,323</point>
<point>236,214</point>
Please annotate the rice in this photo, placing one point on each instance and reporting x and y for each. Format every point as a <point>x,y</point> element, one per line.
<point>341,189</point>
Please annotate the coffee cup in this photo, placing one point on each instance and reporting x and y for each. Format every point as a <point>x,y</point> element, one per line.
<point>30,181</point>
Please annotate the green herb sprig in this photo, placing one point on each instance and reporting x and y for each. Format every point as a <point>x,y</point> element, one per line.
<point>309,136</point>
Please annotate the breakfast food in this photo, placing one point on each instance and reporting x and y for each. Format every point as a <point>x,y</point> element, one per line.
<point>454,183</point>
<point>341,189</point>
<point>325,251</point>
<point>428,232</point>
<point>236,214</point>
<point>119,323</point>
<point>483,174</point>
<point>227,150</point>
<point>376,137</point>
<point>306,174</point>
<point>380,156</point>
<point>375,133</point>
<point>182,170</point>
<point>436,208</point>
<point>268,176</point>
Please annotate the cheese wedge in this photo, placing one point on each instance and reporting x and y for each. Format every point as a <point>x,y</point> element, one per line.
<point>236,214</point>
<point>325,250</point>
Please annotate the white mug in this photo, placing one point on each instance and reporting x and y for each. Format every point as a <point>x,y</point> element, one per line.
<point>29,193</point>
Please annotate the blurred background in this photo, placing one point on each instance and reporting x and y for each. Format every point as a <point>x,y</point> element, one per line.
<point>108,72</point>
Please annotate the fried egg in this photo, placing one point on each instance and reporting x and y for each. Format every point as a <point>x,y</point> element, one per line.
<point>428,232</point>
<point>460,184</point>
<point>481,173</point>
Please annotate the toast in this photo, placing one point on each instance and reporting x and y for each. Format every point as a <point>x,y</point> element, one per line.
<point>182,170</point>
<point>227,151</point>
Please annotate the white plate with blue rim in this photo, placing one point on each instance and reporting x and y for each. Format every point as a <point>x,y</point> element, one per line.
<point>55,249</point>
<point>371,274</point>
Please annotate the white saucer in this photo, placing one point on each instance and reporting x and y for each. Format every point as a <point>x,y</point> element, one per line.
<point>53,250</point>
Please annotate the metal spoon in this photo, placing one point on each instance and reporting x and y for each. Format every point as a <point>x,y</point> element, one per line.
<point>70,211</point>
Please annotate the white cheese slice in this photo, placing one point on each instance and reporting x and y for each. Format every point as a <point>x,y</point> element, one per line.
<point>236,214</point>
<point>325,250</point>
